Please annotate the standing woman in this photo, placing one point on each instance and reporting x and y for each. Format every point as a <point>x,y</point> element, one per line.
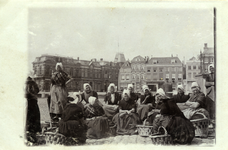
<point>58,91</point>
<point>111,99</point>
<point>33,112</point>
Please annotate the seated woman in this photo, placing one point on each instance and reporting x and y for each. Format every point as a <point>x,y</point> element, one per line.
<point>88,91</point>
<point>194,107</point>
<point>111,99</point>
<point>171,117</point>
<point>147,103</point>
<point>133,96</point>
<point>127,119</point>
<point>180,97</point>
<point>96,123</point>
<point>72,124</point>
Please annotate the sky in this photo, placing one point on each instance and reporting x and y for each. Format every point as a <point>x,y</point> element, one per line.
<point>102,32</point>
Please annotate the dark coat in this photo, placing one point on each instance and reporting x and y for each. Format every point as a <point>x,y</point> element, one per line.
<point>149,100</point>
<point>108,98</point>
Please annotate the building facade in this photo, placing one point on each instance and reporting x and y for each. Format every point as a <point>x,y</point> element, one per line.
<point>138,69</point>
<point>160,70</point>
<point>99,74</point>
<point>125,76</point>
<point>193,68</point>
<point>206,58</point>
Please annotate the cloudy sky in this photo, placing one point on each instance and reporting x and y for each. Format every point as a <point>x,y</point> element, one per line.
<point>96,32</point>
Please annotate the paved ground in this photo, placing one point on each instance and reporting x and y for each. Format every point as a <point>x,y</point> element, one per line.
<point>126,139</point>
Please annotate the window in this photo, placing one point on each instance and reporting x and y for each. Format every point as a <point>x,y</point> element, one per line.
<point>168,69</point>
<point>173,61</point>
<point>173,76</point>
<point>167,76</point>
<point>148,70</point>
<point>179,76</point>
<point>189,67</point>
<point>155,61</point>
<point>138,77</point>
<point>194,74</point>
<point>194,67</point>
<point>189,75</point>
<point>199,67</point>
<point>142,77</point>
<point>155,70</point>
<point>123,77</point>
<point>127,77</point>
<point>133,76</point>
<point>161,69</point>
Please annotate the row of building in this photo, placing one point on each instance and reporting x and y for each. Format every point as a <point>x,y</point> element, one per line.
<point>153,71</point>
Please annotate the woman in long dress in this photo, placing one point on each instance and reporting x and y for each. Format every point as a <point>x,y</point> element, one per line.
<point>111,100</point>
<point>88,91</point>
<point>97,124</point>
<point>58,91</point>
<point>195,106</point>
<point>127,118</point>
<point>33,113</point>
<point>171,117</point>
<point>147,103</point>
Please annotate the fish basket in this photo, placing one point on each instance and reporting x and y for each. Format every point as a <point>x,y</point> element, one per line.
<point>161,139</point>
<point>54,138</point>
<point>201,126</point>
<point>144,131</point>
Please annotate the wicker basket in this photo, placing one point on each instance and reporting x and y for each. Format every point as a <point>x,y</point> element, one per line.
<point>54,138</point>
<point>144,130</point>
<point>164,139</point>
<point>201,126</point>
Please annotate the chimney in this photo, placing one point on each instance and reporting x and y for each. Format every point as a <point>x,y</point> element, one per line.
<point>205,45</point>
<point>101,59</point>
<point>77,58</point>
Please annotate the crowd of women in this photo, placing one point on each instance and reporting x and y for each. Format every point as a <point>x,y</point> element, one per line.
<point>83,115</point>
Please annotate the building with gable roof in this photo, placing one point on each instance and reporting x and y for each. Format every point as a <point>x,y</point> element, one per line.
<point>138,65</point>
<point>207,58</point>
<point>124,76</point>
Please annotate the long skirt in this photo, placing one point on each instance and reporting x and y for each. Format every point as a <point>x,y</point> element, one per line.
<point>210,107</point>
<point>58,99</point>
<point>181,130</point>
<point>97,128</point>
<point>126,123</point>
<point>110,110</point>
<point>143,110</point>
<point>72,128</point>
<point>193,113</point>
<point>33,116</point>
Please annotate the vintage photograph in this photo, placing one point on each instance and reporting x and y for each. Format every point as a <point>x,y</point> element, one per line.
<point>121,75</point>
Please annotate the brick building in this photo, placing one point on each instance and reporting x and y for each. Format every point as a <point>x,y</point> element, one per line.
<point>99,74</point>
<point>207,58</point>
<point>125,76</point>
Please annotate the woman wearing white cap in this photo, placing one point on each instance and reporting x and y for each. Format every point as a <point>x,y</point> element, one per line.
<point>210,97</point>
<point>111,99</point>
<point>96,123</point>
<point>180,97</point>
<point>58,91</point>
<point>127,119</point>
<point>88,91</point>
<point>147,103</point>
<point>171,117</point>
<point>133,96</point>
<point>195,106</point>
<point>72,121</point>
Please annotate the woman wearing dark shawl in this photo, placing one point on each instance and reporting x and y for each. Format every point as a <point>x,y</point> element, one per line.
<point>111,100</point>
<point>72,121</point>
<point>171,117</point>
<point>33,112</point>
<point>133,96</point>
<point>147,103</point>
<point>127,119</point>
<point>96,123</point>
<point>180,97</point>
<point>58,91</point>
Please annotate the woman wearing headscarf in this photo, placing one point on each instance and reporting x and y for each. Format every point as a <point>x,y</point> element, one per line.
<point>96,123</point>
<point>111,99</point>
<point>180,97</point>
<point>195,106</point>
<point>210,97</point>
<point>147,103</point>
<point>171,117</point>
<point>72,121</point>
<point>133,96</point>
<point>88,91</point>
<point>127,118</point>
<point>58,91</point>
<point>33,112</point>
